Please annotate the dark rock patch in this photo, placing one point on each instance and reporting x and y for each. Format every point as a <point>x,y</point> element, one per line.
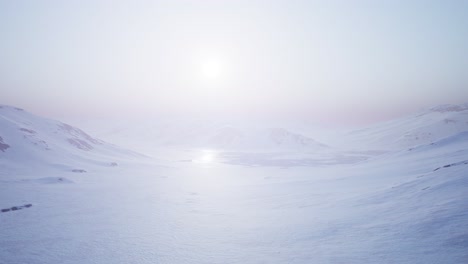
<point>3,145</point>
<point>15,208</point>
<point>80,144</point>
<point>30,131</point>
<point>53,180</point>
<point>78,133</point>
<point>465,162</point>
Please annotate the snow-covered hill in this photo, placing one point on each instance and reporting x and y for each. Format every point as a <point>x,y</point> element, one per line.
<point>202,134</point>
<point>269,138</point>
<point>27,140</point>
<point>418,129</point>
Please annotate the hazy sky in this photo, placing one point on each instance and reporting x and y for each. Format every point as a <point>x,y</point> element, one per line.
<point>344,61</point>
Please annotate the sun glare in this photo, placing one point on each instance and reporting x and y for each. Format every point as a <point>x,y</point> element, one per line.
<point>211,69</point>
<point>206,157</point>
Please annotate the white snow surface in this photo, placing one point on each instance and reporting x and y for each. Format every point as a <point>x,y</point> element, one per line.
<point>31,141</point>
<point>321,205</point>
<point>417,129</point>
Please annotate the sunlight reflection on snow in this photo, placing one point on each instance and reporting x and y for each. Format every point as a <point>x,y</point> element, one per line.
<point>206,157</point>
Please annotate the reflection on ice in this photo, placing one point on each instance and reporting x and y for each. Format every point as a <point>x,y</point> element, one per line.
<point>279,159</point>
<point>206,157</point>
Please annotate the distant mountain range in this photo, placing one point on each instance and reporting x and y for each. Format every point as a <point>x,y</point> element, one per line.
<point>27,139</point>
<point>204,134</point>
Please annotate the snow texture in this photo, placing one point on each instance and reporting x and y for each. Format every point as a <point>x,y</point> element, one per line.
<point>405,203</point>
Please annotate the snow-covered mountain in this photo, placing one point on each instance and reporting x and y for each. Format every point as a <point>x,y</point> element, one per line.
<point>418,129</point>
<point>27,140</point>
<point>202,134</point>
<point>269,138</point>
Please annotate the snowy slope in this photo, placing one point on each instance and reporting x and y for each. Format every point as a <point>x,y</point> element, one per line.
<point>27,140</point>
<point>418,129</point>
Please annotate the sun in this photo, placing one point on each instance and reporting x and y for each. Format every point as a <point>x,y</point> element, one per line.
<point>211,69</point>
